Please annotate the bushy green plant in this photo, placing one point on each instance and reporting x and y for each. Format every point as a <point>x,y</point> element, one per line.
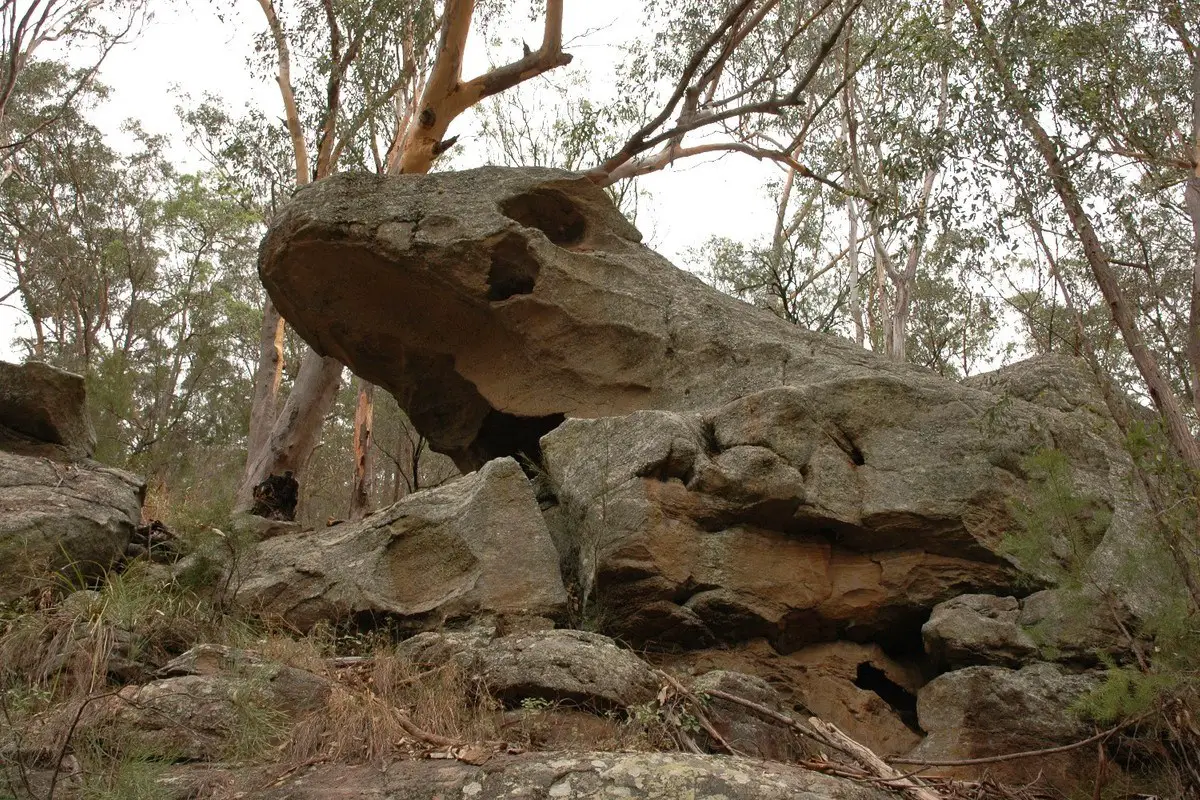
<point>1060,530</point>
<point>1060,527</point>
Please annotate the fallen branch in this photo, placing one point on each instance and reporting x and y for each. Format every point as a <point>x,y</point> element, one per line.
<point>874,764</point>
<point>830,736</point>
<point>701,717</point>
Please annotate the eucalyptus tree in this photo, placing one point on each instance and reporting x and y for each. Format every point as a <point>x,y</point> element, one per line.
<point>383,80</point>
<point>1100,103</point>
<point>87,30</point>
<point>141,279</point>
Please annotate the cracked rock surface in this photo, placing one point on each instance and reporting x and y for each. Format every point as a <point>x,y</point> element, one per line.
<point>578,776</point>
<point>60,512</point>
<point>494,301</point>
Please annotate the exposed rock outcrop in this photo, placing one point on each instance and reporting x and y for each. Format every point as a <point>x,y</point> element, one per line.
<point>526,297</point>
<point>576,776</point>
<point>477,545</point>
<point>60,512</point>
<point>858,687</point>
<point>768,501</point>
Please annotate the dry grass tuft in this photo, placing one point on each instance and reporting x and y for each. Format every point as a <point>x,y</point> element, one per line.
<point>377,703</point>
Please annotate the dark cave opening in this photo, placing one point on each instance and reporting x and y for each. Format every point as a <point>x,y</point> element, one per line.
<point>513,271</point>
<point>902,701</point>
<point>504,434</point>
<point>549,211</point>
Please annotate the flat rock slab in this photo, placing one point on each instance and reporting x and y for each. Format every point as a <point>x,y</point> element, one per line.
<point>477,545</point>
<point>494,301</point>
<point>574,776</point>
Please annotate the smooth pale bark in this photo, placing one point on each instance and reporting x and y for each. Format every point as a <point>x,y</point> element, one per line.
<point>283,77</point>
<point>446,96</point>
<point>364,422</point>
<point>267,378</point>
<point>296,431</point>
<point>1164,399</point>
<point>856,313</point>
<point>896,338</point>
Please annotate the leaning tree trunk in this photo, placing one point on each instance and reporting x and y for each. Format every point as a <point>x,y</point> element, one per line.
<point>1191,199</point>
<point>1169,408</point>
<point>298,427</point>
<point>267,378</point>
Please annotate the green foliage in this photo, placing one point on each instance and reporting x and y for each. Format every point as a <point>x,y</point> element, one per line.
<point>1126,692</point>
<point>1060,527</point>
<point>125,775</point>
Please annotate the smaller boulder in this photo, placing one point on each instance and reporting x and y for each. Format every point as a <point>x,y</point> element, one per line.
<point>566,666</point>
<point>212,702</point>
<point>989,711</point>
<point>976,629</point>
<point>477,545</point>
<point>48,405</point>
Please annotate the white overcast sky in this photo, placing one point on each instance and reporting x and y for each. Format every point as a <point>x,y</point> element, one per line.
<point>190,50</point>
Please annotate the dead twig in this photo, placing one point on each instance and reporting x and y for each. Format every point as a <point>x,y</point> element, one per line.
<point>701,717</point>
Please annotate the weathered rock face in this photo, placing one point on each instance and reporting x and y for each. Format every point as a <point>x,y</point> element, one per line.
<point>986,711</point>
<point>59,511</point>
<point>746,732</point>
<point>491,302</point>
<point>845,510</point>
<point>576,776</point>
<point>858,687</point>
<point>712,476</point>
<point>46,404</point>
<point>477,545</point>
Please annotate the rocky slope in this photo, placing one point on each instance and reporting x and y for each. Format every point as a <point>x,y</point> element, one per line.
<point>757,526</point>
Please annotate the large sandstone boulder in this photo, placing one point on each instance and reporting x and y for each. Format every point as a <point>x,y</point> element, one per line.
<point>64,519</point>
<point>788,482</point>
<point>492,302</point>
<point>476,545</point>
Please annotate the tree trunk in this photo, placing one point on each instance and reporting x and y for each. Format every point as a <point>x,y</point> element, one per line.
<point>1191,199</point>
<point>294,435</point>
<point>364,418</point>
<point>1178,431</point>
<point>266,384</point>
